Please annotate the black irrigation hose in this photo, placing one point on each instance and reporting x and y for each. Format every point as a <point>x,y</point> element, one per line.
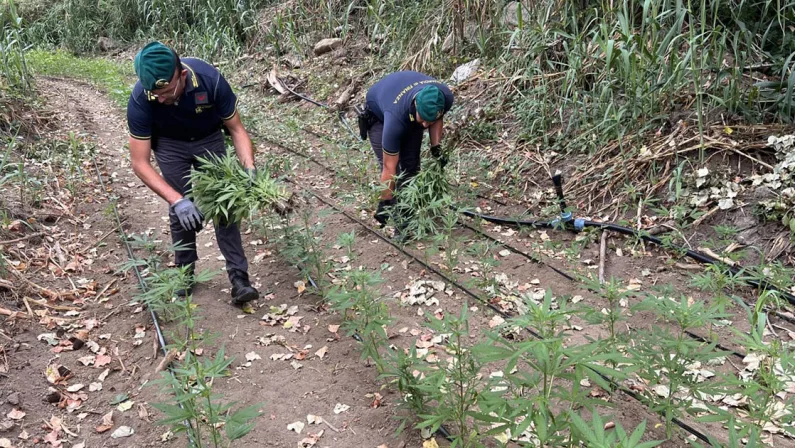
<point>572,279</point>
<point>693,431</point>
<point>763,285</point>
<point>142,284</point>
<point>340,115</point>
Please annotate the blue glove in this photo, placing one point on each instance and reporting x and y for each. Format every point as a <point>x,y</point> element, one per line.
<point>190,218</point>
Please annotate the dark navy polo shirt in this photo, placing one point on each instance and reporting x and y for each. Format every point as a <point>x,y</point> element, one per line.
<point>391,100</point>
<point>205,104</point>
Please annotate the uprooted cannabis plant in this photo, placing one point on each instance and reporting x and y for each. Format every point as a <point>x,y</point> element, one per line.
<point>224,190</point>
<point>422,201</point>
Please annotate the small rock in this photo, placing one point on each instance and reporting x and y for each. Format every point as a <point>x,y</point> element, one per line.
<point>13,399</point>
<point>327,45</point>
<point>105,44</point>
<point>293,60</point>
<point>763,193</point>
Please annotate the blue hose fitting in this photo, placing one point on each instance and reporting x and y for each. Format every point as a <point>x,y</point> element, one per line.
<point>579,224</point>
<point>566,217</point>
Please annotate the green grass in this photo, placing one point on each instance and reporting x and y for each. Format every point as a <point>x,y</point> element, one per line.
<point>115,78</point>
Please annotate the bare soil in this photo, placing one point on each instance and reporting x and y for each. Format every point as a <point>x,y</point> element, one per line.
<point>309,383</point>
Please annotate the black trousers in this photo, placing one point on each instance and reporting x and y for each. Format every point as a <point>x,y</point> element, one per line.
<point>175,159</point>
<point>409,164</point>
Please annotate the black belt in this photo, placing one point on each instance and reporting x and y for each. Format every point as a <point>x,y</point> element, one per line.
<point>186,139</point>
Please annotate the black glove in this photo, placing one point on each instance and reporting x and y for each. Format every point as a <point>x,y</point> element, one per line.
<point>190,218</point>
<point>382,214</point>
<point>436,152</point>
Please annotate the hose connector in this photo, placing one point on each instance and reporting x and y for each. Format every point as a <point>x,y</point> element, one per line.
<point>579,224</point>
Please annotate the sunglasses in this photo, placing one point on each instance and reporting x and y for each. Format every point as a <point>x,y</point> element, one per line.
<point>167,95</point>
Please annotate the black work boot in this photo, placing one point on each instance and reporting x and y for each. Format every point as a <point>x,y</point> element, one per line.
<point>242,291</point>
<point>190,282</point>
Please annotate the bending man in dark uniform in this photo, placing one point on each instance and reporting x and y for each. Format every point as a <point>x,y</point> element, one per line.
<point>177,108</point>
<point>401,106</point>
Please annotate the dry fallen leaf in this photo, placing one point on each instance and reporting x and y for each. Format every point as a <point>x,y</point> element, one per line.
<point>125,406</point>
<point>52,438</point>
<point>339,408</point>
<point>335,328</point>
<point>322,352</point>
<point>102,360</point>
<point>496,321</point>
<point>15,414</point>
<point>122,431</point>
<point>296,426</point>
<point>314,419</point>
<point>5,443</point>
<point>300,286</point>
<point>251,356</point>
<point>107,422</point>
<point>430,443</point>
<point>309,442</point>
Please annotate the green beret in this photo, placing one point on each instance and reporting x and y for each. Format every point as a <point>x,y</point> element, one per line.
<point>155,65</point>
<point>430,103</point>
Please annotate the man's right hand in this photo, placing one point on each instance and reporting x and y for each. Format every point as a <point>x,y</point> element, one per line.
<point>382,214</point>
<point>190,218</point>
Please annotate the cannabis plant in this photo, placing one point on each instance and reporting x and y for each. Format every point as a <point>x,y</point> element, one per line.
<point>422,202</point>
<point>225,192</point>
<point>542,380</point>
<point>302,245</point>
<point>195,408</point>
<point>358,298</point>
<point>455,385</point>
<point>596,436</point>
<point>675,363</point>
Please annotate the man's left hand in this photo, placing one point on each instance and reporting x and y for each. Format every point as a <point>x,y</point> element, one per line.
<point>438,154</point>
<point>252,174</point>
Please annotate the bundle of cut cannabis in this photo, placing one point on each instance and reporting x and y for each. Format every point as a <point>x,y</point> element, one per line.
<point>423,201</point>
<point>224,191</point>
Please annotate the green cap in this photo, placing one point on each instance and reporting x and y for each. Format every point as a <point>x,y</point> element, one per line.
<point>430,103</point>
<point>155,65</point>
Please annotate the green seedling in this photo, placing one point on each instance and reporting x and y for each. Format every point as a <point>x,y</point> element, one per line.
<point>366,315</point>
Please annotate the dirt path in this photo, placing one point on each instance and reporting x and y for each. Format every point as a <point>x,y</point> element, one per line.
<point>288,393</point>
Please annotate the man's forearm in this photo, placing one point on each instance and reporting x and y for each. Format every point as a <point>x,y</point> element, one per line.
<point>387,179</point>
<point>155,182</point>
<point>243,148</point>
<point>435,132</point>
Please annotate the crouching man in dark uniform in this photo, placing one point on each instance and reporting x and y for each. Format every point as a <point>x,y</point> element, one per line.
<point>400,107</point>
<point>177,108</point>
